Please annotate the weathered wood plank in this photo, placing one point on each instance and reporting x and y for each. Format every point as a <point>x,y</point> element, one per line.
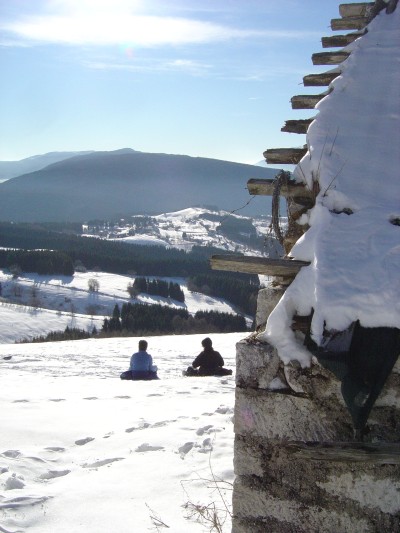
<point>329,58</point>
<point>306,101</point>
<point>374,453</point>
<point>319,80</point>
<point>297,191</point>
<point>284,156</point>
<point>257,265</point>
<point>360,9</point>
<point>341,40</point>
<point>350,23</point>
<point>297,126</point>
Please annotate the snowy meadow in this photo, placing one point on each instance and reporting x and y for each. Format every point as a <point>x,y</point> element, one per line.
<point>83,451</point>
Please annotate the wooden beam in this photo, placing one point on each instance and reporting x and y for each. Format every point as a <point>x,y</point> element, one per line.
<point>319,80</point>
<point>306,101</point>
<point>329,58</point>
<point>297,191</point>
<point>284,156</point>
<point>257,265</point>
<point>350,23</point>
<point>297,126</point>
<point>341,40</point>
<point>360,9</point>
<point>352,452</point>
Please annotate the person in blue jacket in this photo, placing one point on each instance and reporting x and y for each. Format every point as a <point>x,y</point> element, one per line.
<point>141,366</point>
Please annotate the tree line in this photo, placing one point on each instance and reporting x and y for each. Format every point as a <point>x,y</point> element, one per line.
<point>159,287</point>
<point>242,292</point>
<point>140,319</point>
<point>39,261</point>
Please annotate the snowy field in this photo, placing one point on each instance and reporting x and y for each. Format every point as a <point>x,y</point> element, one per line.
<point>83,451</point>
<point>34,305</point>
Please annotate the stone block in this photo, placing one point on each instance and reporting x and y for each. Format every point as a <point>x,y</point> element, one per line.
<point>273,415</point>
<point>266,301</point>
<point>257,363</point>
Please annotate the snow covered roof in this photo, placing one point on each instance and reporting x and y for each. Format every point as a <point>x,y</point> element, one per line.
<point>353,242</point>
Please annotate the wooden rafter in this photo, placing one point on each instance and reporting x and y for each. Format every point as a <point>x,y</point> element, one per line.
<point>340,40</point>
<point>284,156</point>
<point>298,191</point>
<point>329,58</point>
<point>360,9</point>
<point>350,23</point>
<point>257,265</point>
<point>297,126</point>
<point>306,101</point>
<point>320,80</point>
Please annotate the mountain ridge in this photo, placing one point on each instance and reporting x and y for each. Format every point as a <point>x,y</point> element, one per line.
<point>126,182</point>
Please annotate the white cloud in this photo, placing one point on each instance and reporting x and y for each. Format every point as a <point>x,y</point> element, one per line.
<point>194,68</point>
<point>111,22</point>
<point>105,28</point>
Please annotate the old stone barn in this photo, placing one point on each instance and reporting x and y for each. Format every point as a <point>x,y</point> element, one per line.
<point>317,414</point>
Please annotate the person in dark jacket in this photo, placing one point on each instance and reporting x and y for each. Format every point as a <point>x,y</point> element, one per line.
<point>209,362</point>
<point>141,366</point>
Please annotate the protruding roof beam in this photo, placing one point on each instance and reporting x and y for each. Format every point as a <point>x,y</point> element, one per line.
<point>340,40</point>
<point>257,265</point>
<point>360,9</point>
<point>350,23</point>
<point>329,58</point>
<point>320,80</point>
<point>297,191</point>
<point>284,156</point>
<point>306,101</point>
<point>297,126</point>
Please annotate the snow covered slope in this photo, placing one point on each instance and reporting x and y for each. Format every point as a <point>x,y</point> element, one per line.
<point>83,452</point>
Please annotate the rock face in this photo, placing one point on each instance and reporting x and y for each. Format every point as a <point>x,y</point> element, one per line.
<point>298,466</point>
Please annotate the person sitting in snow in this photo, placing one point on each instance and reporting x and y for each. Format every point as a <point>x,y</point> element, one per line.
<point>141,366</point>
<point>209,362</point>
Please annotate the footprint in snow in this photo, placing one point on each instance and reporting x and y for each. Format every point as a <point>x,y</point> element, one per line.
<point>57,400</point>
<point>206,446</point>
<point>223,410</point>
<point>203,430</point>
<point>81,442</point>
<point>55,449</point>
<point>14,482</point>
<point>51,474</point>
<point>13,454</point>
<point>21,401</point>
<point>143,425</point>
<point>122,397</point>
<point>183,450</point>
<point>103,462</point>
<point>147,448</point>
<point>91,398</point>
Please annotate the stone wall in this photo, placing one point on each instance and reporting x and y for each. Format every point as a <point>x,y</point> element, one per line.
<point>298,467</point>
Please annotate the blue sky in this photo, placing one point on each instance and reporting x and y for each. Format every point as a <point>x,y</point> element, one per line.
<point>210,78</point>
